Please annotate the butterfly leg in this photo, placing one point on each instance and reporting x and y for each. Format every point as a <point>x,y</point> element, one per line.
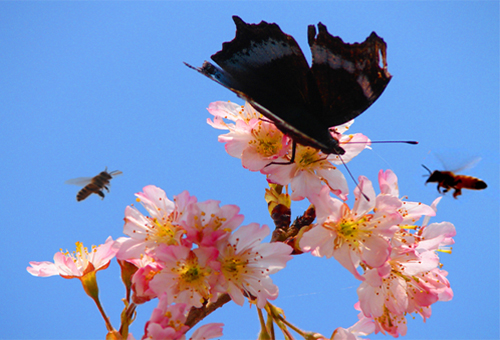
<point>294,147</point>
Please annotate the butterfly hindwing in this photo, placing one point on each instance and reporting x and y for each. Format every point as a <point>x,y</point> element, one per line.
<point>350,77</point>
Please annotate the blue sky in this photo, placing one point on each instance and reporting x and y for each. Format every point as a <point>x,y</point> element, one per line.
<point>87,85</point>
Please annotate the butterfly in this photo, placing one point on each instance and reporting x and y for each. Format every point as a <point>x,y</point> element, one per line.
<point>267,68</point>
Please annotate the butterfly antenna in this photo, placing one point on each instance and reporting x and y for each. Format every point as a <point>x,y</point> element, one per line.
<point>387,141</point>
<point>414,142</point>
<point>354,180</point>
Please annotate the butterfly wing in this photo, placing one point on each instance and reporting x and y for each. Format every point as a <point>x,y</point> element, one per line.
<point>349,77</point>
<point>269,65</point>
<point>267,68</point>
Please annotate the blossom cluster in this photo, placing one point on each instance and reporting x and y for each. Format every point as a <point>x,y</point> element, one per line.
<point>379,242</point>
<point>258,143</point>
<point>196,251</point>
<point>185,253</point>
<point>191,255</point>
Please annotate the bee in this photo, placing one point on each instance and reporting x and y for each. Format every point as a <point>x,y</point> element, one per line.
<point>448,180</point>
<point>93,185</point>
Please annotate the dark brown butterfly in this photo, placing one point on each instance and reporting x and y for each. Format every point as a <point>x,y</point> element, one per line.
<point>267,68</point>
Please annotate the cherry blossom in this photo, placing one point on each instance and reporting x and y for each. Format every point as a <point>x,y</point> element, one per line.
<point>308,174</point>
<point>167,322</point>
<point>258,143</point>
<point>187,275</point>
<point>82,265</point>
<point>410,281</point>
<point>78,263</point>
<point>361,235</point>
<point>206,222</point>
<point>147,269</point>
<point>353,236</point>
<point>254,140</point>
<point>246,264</point>
<point>311,169</point>
<point>358,331</point>
<point>163,226</point>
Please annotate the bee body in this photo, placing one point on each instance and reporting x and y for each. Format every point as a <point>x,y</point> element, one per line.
<point>447,180</point>
<point>94,185</point>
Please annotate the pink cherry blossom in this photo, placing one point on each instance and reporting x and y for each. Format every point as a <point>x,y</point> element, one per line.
<point>411,212</point>
<point>208,331</point>
<point>167,322</point>
<point>163,226</point>
<point>353,236</point>
<point>231,111</point>
<point>353,144</point>
<point>187,275</point>
<point>246,264</point>
<point>312,169</point>
<point>358,331</point>
<point>308,174</point>
<point>78,263</point>
<point>437,236</point>
<point>361,235</point>
<point>206,222</point>
<point>147,269</point>
<point>409,282</point>
<point>256,141</point>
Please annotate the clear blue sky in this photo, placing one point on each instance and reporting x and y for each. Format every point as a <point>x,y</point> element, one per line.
<point>85,85</point>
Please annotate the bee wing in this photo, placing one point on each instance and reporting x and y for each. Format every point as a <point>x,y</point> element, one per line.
<point>456,160</point>
<point>80,181</point>
<point>115,173</point>
<point>469,164</point>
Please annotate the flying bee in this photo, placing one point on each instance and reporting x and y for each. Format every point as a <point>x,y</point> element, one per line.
<point>448,180</point>
<point>93,185</point>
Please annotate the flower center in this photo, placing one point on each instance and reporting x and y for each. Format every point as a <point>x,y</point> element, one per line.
<point>233,266</point>
<point>163,232</point>
<point>350,231</point>
<point>267,140</point>
<point>213,221</point>
<point>192,274</point>
<point>307,158</point>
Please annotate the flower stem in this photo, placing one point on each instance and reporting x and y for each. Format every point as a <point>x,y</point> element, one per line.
<point>109,327</point>
<point>264,334</point>
<point>281,321</point>
<point>89,283</point>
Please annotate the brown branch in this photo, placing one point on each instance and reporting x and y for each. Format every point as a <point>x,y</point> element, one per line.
<point>197,314</point>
